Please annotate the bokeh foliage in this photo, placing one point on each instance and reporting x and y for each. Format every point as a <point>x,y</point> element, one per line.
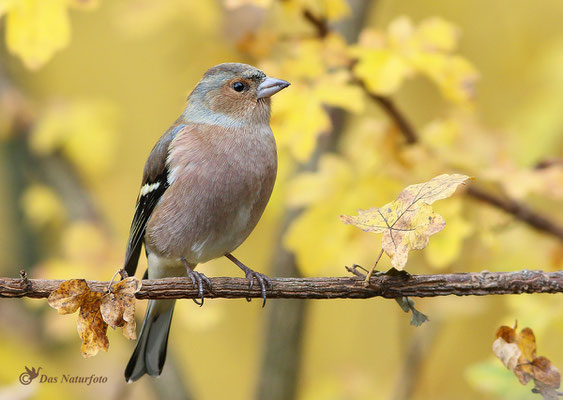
<point>87,87</point>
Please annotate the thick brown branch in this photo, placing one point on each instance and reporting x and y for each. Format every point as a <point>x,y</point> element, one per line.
<point>463,284</point>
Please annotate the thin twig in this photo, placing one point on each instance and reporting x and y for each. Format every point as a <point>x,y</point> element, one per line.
<point>387,286</point>
<point>520,211</point>
<point>398,118</point>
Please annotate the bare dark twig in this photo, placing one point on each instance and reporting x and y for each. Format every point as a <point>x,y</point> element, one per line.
<point>520,211</point>
<point>319,23</point>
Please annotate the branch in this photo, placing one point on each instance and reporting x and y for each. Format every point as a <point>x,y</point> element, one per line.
<point>399,119</point>
<point>387,286</point>
<point>520,211</point>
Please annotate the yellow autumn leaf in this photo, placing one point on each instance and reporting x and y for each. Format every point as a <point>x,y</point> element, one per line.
<point>454,75</point>
<point>306,62</point>
<point>298,119</point>
<point>385,60</point>
<point>408,222</point>
<point>335,90</point>
<point>333,174</point>
<point>382,70</point>
<point>437,34</point>
<point>37,29</point>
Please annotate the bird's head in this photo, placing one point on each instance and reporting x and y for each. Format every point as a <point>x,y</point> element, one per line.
<point>231,94</point>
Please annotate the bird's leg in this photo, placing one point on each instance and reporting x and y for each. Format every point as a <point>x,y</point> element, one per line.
<point>199,278</point>
<point>250,274</point>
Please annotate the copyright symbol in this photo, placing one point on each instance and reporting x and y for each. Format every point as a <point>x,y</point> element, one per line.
<point>25,379</point>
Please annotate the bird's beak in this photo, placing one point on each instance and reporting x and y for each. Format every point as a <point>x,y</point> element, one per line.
<point>271,86</point>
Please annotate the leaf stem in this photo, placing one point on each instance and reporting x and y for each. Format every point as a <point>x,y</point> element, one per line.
<point>370,273</point>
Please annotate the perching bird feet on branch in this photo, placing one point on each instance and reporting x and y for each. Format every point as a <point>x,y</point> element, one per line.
<point>262,279</point>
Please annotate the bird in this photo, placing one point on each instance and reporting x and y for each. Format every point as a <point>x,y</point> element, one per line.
<point>205,186</point>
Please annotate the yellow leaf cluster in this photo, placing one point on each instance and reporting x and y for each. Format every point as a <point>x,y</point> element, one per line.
<point>386,59</point>
<point>320,78</point>
<point>37,29</point>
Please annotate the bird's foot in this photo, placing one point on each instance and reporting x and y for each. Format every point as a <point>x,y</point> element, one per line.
<point>197,280</point>
<point>122,273</point>
<point>262,279</point>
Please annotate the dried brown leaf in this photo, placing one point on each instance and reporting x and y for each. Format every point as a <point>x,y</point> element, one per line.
<point>118,306</point>
<point>545,372</point>
<point>508,353</point>
<point>92,328</point>
<point>518,353</point>
<point>68,297</point>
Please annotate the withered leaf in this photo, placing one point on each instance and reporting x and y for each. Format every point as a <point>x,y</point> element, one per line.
<point>545,372</point>
<point>118,306</point>
<point>74,294</point>
<point>507,352</point>
<point>68,297</point>
<point>518,353</point>
<point>92,328</point>
<point>408,222</point>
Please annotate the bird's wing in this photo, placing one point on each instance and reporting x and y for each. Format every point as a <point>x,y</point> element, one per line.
<point>155,183</point>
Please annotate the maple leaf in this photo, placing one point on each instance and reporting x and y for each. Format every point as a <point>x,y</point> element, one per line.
<point>408,222</point>
<point>118,306</point>
<point>518,354</point>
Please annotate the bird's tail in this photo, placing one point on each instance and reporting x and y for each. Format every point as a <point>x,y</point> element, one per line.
<point>150,352</point>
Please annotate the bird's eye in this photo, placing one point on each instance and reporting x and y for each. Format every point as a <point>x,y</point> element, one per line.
<point>238,86</point>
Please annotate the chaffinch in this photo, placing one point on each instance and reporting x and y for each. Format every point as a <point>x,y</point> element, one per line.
<point>205,186</point>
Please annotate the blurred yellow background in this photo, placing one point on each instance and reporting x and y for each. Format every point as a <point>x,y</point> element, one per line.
<point>81,105</point>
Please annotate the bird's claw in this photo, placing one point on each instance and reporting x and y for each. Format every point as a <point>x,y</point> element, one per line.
<point>197,280</point>
<point>262,279</point>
